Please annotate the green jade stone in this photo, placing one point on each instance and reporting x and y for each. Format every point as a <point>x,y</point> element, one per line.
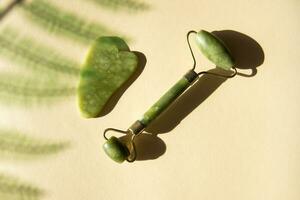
<point>116,150</point>
<point>108,65</point>
<point>214,49</point>
<point>165,101</point>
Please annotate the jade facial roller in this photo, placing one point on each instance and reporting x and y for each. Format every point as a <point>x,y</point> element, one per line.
<point>213,49</point>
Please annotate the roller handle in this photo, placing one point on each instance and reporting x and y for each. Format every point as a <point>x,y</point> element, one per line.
<point>164,102</point>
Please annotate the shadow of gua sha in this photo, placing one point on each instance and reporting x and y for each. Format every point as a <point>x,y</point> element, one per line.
<point>247,52</point>
<point>117,95</point>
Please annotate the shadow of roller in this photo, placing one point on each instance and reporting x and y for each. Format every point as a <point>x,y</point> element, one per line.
<point>247,52</point>
<point>148,146</point>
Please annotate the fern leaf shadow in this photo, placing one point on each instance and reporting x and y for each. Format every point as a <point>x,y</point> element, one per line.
<point>23,96</point>
<point>53,19</point>
<point>24,50</point>
<point>127,5</point>
<point>116,97</point>
<point>16,146</point>
<point>12,188</point>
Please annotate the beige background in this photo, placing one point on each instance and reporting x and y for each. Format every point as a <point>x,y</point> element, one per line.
<point>242,142</point>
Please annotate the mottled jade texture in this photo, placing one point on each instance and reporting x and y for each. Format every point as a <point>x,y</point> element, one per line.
<point>214,49</point>
<point>109,64</point>
<point>165,101</point>
<point>115,149</point>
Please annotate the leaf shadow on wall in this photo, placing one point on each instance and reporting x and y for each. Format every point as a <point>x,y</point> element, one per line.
<point>248,55</point>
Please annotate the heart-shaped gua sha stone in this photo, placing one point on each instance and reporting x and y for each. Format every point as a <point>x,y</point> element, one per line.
<point>108,65</point>
<point>214,49</point>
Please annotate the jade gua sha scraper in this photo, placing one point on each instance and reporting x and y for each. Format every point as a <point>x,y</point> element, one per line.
<point>108,65</point>
<point>92,87</point>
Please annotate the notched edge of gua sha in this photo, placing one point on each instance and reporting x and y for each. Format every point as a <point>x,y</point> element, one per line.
<point>214,49</point>
<point>109,64</point>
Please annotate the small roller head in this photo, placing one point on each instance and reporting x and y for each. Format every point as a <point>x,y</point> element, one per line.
<point>116,150</point>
